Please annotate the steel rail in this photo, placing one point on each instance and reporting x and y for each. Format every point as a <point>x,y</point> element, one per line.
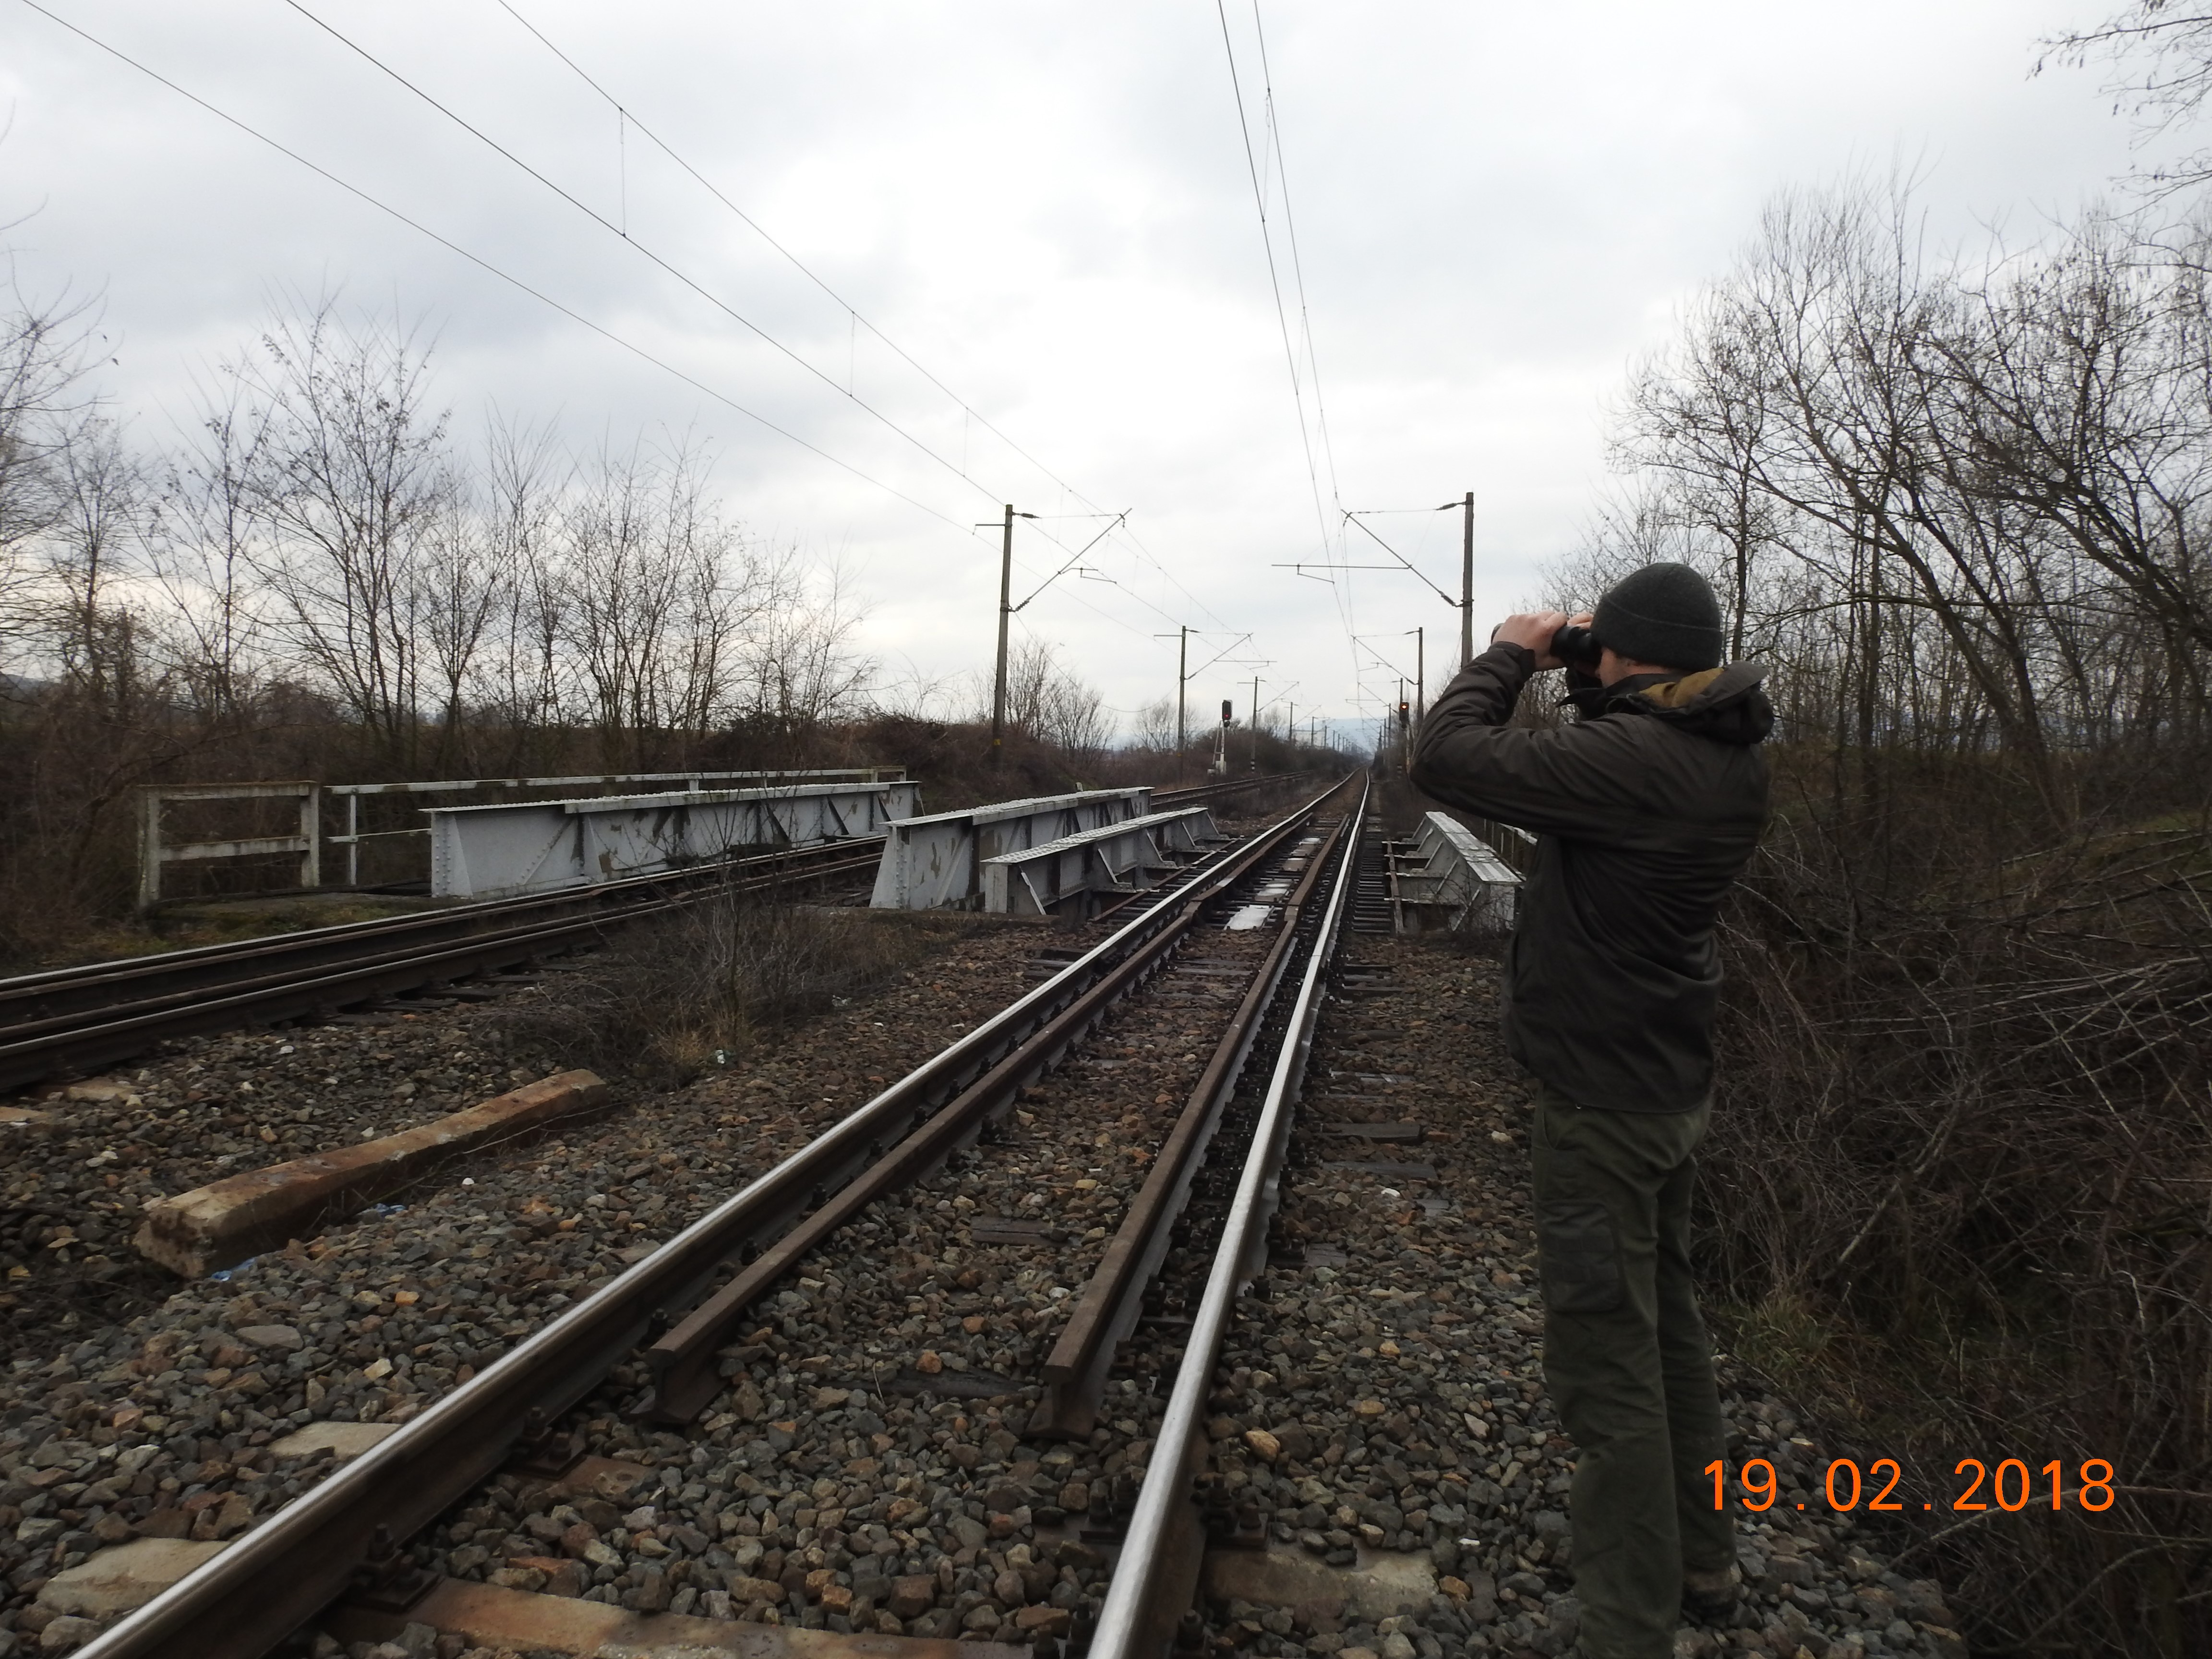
<point>100,1019</point>
<point>683,1361</point>
<point>59,990</point>
<point>1128,1612</point>
<point>1075,1371</point>
<point>1199,792</point>
<point>28,1001</point>
<point>279,1576</point>
<point>1196,793</point>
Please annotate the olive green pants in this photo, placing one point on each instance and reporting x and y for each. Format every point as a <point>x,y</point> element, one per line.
<point>1628,1364</point>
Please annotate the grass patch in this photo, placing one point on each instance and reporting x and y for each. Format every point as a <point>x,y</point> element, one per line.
<point>116,941</point>
<point>706,985</point>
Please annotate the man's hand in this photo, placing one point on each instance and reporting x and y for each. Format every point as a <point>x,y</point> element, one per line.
<point>1531,630</point>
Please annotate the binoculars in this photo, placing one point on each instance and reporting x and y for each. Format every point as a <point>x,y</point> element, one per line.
<point>1577,648</point>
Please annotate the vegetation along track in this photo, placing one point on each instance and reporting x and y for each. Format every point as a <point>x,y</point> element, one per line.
<point>71,1019</point>
<point>897,1444</point>
<point>1377,1467</point>
<point>280,1573</point>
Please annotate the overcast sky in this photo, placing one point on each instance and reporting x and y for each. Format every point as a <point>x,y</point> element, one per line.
<point>1048,206</point>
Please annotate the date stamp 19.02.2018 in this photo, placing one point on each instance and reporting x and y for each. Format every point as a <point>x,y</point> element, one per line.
<point>2012,1484</point>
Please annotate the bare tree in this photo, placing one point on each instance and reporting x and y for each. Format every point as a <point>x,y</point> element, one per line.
<point>1156,726</point>
<point>463,587</point>
<point>44,396</point>
<point>350,482</point>
<point>1051,704</point>
<point>98,526</point>
<point>201,555</point>
<point>803,666</point>
<point>659,591</point>
<point>519,496</point>
<point>2160,55</point>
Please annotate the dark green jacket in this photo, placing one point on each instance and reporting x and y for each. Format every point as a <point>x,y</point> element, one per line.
<point>1645,812</point>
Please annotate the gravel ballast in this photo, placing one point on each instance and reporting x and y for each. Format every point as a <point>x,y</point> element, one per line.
<point>1383,1391</point>
<point>869,1465</point>
<point>161,1424</point>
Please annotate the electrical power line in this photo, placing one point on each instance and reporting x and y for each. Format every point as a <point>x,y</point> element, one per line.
<point>1274,279</point>
<point>1297,265</point>
<point>1331,545</point>
<point>957,471</point>
<point>484,263</point>
<point>625,114</point>
<point>545,299</point>
<point>1353,519</point>
<point>622,232</point>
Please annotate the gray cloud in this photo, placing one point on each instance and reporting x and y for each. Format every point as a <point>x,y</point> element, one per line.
<point>1497,209</point>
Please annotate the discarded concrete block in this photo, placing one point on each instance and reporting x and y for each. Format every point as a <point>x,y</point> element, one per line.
<point>347,1440</point>
<point>196,1232</point>
<point>490,1616</point>
<point>1384,1583</point>
<point>129,1576</point>
<point>100,1091</point>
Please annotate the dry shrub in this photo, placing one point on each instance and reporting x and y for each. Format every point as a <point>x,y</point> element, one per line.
<point>1957,1194</point>
<point>703,985</point>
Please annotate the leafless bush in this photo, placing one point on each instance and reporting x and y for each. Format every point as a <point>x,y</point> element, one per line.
<point>1959,1187</point>
<point>327,580</point>
<point>1957,1194</point>
<point>701,986</point>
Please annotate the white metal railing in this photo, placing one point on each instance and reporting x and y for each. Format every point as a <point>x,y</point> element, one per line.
<point>155,854</point>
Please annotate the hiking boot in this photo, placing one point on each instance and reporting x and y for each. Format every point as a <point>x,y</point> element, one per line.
<point>1711,1591</point>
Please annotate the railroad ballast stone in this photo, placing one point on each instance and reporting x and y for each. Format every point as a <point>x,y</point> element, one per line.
<point>1380,1392</point>
<point>75,1179</point>
<point>868,1467</point>
<point>213,1226</point>
<point>153,1425</point>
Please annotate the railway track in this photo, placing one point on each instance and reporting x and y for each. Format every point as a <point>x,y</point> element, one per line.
<point>74,1019</point>
<point>677,1311</point>
<point>1252,783</point>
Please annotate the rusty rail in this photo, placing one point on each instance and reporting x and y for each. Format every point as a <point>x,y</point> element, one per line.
<point>1075,1371</point>
<point>72,1018</point>
<point>275,1577</point>
<point>685,1378</point>
<point>1151,1576</point>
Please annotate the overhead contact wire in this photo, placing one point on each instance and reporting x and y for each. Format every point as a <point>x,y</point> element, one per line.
<point>609,225</point>
<point>485,264</point>
<point>1274,282</point>
<point>1282,316</point>
<point>844,304</point>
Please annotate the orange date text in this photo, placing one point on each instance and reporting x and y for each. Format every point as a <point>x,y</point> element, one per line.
<point>2012,1485</point>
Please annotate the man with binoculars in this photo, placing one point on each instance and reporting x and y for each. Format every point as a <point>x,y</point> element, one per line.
<point>1645,808</point>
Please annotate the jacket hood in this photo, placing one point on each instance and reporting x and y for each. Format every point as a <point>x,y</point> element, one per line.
<point>1725,704</point>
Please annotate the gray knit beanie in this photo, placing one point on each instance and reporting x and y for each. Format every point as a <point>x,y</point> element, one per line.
<point>1665,613</point>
